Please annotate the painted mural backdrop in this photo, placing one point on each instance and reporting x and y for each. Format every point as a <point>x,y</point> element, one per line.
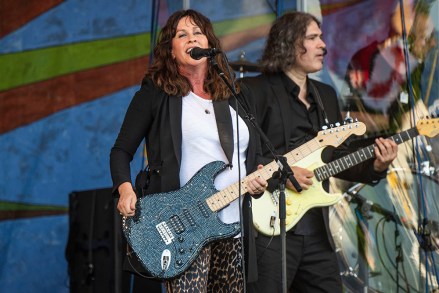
<point>68,70</point>
<point>382,58</point>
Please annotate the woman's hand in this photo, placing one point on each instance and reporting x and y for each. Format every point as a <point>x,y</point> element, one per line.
<point>257,185</point>
<point>127,200</point>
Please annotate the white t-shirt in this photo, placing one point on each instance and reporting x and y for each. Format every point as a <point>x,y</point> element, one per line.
<point>201,145</point>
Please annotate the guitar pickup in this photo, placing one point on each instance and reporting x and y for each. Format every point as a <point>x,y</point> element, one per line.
<point>177,224</point>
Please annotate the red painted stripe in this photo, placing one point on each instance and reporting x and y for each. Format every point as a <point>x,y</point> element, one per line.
<point>27,104</point>
<point>328,9</point>
<point>16,13</point>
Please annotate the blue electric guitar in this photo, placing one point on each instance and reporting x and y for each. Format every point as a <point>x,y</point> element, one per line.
<point>169,229</point>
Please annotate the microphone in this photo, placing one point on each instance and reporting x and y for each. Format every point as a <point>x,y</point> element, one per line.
<point>375,207</point>
<point>198,53</point>
<point>325,51</point>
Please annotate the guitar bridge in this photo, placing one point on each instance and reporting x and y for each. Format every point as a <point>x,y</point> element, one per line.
<point>165,232</point>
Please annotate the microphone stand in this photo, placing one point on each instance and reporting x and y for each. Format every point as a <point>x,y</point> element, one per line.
<point>364,207</point>
<point>282,174</point>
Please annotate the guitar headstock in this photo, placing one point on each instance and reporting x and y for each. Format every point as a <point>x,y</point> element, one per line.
<point>335,136</point>
<point>428,127</point>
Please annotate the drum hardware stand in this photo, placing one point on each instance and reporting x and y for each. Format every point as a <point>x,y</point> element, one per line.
<point>282,174</point>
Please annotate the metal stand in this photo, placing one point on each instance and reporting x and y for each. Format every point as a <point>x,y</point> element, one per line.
<point>364,207</point>
<point>282,174</point>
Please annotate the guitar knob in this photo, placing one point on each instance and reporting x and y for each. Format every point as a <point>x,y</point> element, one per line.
<point>179,262</point>
<point>288,201</point>
<point>181,250</point>
<point>289,212</point>
<point>180,239</point>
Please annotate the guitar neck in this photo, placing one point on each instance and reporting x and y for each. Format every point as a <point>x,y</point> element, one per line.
<point>324,172</point>
<point>223,198</point>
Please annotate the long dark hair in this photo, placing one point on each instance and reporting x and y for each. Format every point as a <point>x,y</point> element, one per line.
<point>164,70</point>
<point>285,40</point>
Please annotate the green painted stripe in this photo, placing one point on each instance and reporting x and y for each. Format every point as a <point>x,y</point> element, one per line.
<point>241,24</point>
<point>37,65</point>
<point>18,206</point>
<point>23,68</point>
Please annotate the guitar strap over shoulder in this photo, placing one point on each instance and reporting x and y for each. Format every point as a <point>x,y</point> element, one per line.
<point>319,101</point>
<point>225,127</point>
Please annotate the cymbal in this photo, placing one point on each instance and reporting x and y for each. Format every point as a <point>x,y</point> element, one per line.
<point>244,66</point>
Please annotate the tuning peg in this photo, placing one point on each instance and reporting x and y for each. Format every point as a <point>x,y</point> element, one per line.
<point>348,118</point>
<point>324,127</point>
<point>337,125</point>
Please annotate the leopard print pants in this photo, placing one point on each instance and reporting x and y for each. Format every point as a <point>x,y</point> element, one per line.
<point>218,268</point>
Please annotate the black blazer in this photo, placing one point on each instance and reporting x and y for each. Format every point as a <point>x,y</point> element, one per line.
<point>272,109</point>
<point>156,116</point>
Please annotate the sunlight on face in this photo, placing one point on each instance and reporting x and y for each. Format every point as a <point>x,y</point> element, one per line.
<point>188,35</point>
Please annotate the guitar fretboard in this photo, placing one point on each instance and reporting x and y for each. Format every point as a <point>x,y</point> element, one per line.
<point>221,199</point>
<point>324,172</point>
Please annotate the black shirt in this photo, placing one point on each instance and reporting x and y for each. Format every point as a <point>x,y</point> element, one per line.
<point>307,123</point>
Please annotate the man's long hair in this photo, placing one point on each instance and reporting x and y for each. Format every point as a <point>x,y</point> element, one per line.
<point>285,41</point>
<point>164,69</point>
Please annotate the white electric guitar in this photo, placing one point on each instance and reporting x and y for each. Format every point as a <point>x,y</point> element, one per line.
<point>266,208</point>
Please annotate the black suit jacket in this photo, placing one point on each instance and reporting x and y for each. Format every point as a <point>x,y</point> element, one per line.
<point>272,112</point>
